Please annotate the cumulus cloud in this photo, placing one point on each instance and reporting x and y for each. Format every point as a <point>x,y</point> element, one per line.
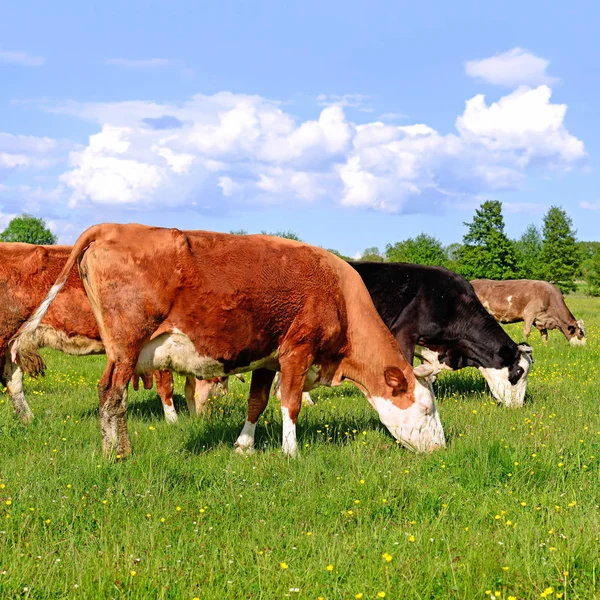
<point>22,59</point>
<point>229,150</point>
<point>512,68</point>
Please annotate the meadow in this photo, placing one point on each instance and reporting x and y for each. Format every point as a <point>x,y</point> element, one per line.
<point>509,510</point>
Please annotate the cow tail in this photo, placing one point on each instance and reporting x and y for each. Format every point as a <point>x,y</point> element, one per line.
<point>23,346</point>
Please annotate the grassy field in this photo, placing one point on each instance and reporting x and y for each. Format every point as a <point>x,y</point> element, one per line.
<point>509,509</point>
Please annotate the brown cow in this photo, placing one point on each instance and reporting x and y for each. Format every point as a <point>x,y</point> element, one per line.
<point>26,272</point>
<point>537,303</point>
<point>183,301</point>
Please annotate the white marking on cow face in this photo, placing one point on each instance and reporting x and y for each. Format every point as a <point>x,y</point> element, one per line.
<point>432,358</point>
<point>245,442</point>
<point>500,386</point>
<point>578,338</point>
<point>417,427</point>
<point>289,445</point>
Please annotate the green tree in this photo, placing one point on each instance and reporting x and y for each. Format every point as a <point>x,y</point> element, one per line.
<point>372,254</point>
<point>421,250</point>
<point>238,232</point>
<point>339,254</point>
<point>591,274</point>
<point>486,251</point>
<point>529,253</point>
<point>561,259</point>
<point>29,229</point>
<point>288,235</point>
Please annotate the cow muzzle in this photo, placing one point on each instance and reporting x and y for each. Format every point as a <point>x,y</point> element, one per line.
<point>417,427</point>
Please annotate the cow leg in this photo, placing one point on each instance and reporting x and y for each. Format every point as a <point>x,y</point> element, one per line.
<point>112,393</point>
<point>544,334</point>
<point>197,392</point>
<point>294,368</point>
<point>165,388</point>
<point>12,378</point>
<point>306,399</point>
<point>528,320</point>
<point>258,399</point>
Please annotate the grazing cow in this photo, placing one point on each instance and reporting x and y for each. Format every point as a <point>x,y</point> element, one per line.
<point>184,301</point>
<point>536,303</point>
<point>435,313</point>
<point>26,272</point>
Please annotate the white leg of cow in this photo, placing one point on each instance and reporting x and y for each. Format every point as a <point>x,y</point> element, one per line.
<point>165,389</point>
<point>14,385</point>
<point>306,399</point>
<point>289,445</point>
<point>197,393</point>
<point>245,442</point>
<point>295,364</point>
<point>257,402</point>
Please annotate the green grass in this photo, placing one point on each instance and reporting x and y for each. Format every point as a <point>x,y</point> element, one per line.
<point>511,506</point>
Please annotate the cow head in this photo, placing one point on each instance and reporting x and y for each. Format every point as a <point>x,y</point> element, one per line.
<point>577,333</point>
<point>410,414</point>
<point>508,384</point>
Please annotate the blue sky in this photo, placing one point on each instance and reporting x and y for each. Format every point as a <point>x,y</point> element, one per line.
<point>354,124</point>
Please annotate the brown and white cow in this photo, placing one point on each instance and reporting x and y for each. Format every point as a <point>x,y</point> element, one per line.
<point>183,301</point>
<point>26,272</point>
<point>536,303</point>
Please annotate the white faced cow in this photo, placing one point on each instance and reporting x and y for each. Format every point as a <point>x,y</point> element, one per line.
<point>183,301</point>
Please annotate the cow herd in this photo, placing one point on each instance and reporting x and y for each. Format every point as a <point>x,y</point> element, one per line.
<point>209,305</point>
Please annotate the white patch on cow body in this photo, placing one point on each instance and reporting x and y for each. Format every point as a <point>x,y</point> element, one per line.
<point>289,445</point>
<point>80,345</point>
<point>417,427</point>
<point>175,351</point>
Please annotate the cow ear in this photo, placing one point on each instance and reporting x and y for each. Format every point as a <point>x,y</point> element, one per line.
<point>394,377</point>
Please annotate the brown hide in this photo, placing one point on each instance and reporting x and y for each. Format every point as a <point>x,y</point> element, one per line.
<point>26,273</point>
<point>145,281</point>
<point>536,303</point>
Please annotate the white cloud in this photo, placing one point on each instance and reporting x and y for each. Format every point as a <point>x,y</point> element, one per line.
<point>524,122</point>
<point>512,68</point>
<point>229,150</point>
<point>23,59</point>
<point>590,205</point>
<point>20,152</point>
<point>143,63</point>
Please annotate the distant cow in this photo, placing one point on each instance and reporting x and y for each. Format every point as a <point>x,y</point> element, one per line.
<point>26,272</point>
<point>536,303</point>
<point>435,313</point>
<point>210,304</point>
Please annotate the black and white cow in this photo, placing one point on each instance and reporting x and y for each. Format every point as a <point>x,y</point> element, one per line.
<point>436,315</point>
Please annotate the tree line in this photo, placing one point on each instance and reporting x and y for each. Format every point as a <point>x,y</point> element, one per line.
<point>552,254</point>
<point>486,252</point>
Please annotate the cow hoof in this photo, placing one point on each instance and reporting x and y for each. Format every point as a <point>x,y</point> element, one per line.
<point>26,418</point>
<point>290,452</point>
<point>244,450</point>
<point>171,417</point>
